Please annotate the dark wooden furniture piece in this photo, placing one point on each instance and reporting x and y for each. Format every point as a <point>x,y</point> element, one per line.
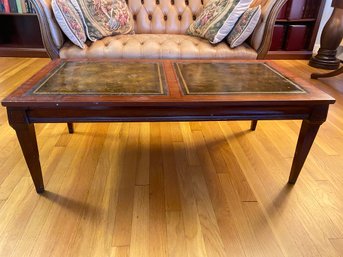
<point>312,25</point>
<point>330,39</point>
<point>327,75</point>
<point>164,90</point>
<point>20,35</point>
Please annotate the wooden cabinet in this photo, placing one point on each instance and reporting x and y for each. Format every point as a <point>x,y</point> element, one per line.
<point>289,30</point>
<point>20,35</point>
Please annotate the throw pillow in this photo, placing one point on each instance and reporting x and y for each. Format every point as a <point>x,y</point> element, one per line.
<point>244,27</point>
<point>106,18</point>
<point>217,19</point>
<point>68,16</point>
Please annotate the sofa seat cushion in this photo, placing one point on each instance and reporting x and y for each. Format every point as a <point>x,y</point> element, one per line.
<point>154,46</point>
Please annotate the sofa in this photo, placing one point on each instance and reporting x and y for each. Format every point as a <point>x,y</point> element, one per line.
<point>160,27</point>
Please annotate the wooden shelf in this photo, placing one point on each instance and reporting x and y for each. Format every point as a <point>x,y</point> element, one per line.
<point>22,52</point>
<point>289,55</point>
<point>312,25</point>
<point>295,21</point>
<point>20,36</point>
<point>17,14</point>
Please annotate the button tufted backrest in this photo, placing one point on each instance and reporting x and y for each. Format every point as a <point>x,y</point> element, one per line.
<point>164,16</point>
<point>172,16</point>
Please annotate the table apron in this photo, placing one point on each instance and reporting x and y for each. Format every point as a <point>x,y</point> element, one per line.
<point>130,114</point>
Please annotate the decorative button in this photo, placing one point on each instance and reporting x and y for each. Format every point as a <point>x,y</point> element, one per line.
<point>150,17</point>
<point>186,2</point>
<point>142,1</point>
<point>134,17</point>
<point>179,17</point>
<point>157,1</point>
<point>172,2</point>
<point>165,17</point>
<point>194,18</point>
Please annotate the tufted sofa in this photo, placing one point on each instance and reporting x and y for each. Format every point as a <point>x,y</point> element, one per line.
<point>160,27</point>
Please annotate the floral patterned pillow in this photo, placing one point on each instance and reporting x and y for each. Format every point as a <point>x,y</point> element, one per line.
<point>68,16</point>
<point>244,27</point>
<point>217,19</point>
<point>106,18</point>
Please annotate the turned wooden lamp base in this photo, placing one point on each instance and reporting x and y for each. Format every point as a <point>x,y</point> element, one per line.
<point>325,59</point>
<point>330,39</point>
<point>327,75</point>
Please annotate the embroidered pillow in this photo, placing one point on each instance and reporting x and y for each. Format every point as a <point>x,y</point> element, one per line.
<point>244,27</point>
<point>106,18</point>
<point>217,19</point>
<point>67,14</point>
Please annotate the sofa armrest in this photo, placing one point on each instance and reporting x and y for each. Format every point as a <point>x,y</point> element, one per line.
<point>261,38</point>
<point>52,35</point>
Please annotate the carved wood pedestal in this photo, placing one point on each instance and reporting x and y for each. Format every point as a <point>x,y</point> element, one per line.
<point>330,39</point>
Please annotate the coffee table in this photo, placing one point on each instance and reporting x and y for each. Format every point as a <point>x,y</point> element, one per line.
<point>163,90</point>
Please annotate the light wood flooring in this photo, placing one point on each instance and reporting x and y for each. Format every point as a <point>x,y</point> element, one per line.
<point>172,189</point>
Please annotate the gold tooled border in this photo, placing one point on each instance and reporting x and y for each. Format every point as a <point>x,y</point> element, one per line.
<point>186,90</point>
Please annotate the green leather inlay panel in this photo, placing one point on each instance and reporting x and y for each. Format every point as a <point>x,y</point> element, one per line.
<point>105,78</point>
<point>232,78</point>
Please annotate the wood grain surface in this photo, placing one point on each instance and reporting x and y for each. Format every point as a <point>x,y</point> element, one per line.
<point>172,189</point>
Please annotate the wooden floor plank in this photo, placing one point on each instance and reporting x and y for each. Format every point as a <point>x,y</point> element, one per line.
<point>176,243</point>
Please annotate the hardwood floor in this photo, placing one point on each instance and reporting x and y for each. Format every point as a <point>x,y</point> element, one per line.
<point>200,189</point>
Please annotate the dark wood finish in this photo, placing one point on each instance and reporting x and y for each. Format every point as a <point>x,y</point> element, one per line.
<point>289,55</point>
<point>268,32</point>
<point>26,134</point>
<point>70,128</point>
<point>20,35</point>
<point>311,106</point>
<point>253,125</point>
<point>327,75</point>
<point>313,24</point>
<point>308,132</point>
<point>22,52</point>
<point>330,40</point>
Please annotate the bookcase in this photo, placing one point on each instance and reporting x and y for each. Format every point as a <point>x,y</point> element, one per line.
<point>19,30</point>
<point>296,29</point>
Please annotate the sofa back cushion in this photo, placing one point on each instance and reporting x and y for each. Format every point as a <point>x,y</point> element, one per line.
<point>164,16</point>
<point>217,19</point>
<point>105,18</point>
<point>68,16</point>
<point>175,16</point>
<point>244,27</point>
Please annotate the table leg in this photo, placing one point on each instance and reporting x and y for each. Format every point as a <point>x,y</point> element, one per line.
<point>70,128</point>
<point>27,138</point>
<point>306,138</point>
<point>253,125</point>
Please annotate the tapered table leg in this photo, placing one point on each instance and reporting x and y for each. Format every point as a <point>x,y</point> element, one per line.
<point>70,128</point>
<point>253,125</point>
<point>27,138</point>
<point>307,135</point>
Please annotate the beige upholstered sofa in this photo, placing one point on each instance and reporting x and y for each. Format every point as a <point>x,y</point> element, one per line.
<point>160,27</point>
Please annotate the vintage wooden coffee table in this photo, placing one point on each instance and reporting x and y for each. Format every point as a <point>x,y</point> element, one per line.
<point>164,90</point>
